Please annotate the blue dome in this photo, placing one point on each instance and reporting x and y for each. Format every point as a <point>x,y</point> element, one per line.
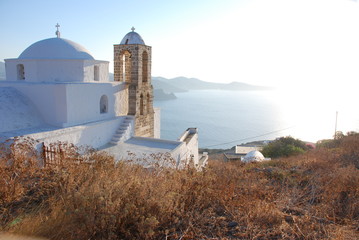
<point>132,38</point>
<point>56,48</point>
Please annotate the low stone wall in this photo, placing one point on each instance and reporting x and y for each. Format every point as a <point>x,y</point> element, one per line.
<point>157,123</point>
<point>94,134</point>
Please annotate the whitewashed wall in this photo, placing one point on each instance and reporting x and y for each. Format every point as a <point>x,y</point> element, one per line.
<point>157,124</point>
<point>17,111</point>
<point>179,155</point>
<point>57,70</point>
<point>30,69</point>
<point>121,96</point>
<point>83,108</point>
<point>192,148</point>
<point>49,99</point>
<point>89,70</point>
<point>65,104</point>
<point>95,134</point>
<point>190,144</point>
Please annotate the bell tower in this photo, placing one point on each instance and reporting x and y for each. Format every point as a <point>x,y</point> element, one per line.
<point>132,65</point>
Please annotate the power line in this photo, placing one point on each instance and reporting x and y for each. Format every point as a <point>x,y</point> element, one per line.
<point>243,139</point>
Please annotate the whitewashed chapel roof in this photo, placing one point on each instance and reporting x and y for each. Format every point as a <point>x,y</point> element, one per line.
<point>254,156</point>
<point>132,38</point>
<point>56,48</point>
<point>17,111</point>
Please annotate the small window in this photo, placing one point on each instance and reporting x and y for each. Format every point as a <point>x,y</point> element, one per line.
<point>103,104</point>
<point>148,104</point>
<point>141,105</point>
<point>96,73</point>
<point>20,72</point>
<point>144,67</point>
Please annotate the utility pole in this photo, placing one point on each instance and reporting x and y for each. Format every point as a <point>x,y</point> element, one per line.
<point>336,122</point>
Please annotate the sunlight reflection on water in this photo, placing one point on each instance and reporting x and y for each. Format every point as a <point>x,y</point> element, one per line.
<point>227,118</point>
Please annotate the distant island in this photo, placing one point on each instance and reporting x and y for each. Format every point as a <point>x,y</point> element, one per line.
<point>183,84</point>
<point>160,95</point>
<point>165,89</point>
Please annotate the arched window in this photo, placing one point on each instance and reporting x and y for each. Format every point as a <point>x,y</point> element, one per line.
<point>103,104</point>
<point>144,67</point>
<point>96,73</point>
<point>141,104</point>
<point>125,67</point>
<point>148,105</point>
<point>20,72</point>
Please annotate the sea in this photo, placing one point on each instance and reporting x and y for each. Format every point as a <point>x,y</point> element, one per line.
<point>228,118</point>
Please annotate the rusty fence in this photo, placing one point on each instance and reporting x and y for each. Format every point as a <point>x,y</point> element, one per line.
<point>59,154</point>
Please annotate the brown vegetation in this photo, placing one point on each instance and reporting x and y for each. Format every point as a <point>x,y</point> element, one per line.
<point>310,196</point>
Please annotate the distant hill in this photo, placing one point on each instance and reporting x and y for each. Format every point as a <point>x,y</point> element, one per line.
<point>165,89</point>
<point>187,84</point>
<point>2,71</point>
<point>160,95</point>
<point>166,85</point>
<point>183,84</point>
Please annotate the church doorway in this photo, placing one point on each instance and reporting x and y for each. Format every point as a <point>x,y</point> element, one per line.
<point>20,72</point>
<point>103,104</point>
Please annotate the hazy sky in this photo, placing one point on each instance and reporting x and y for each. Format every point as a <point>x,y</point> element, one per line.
<point>266,42</point>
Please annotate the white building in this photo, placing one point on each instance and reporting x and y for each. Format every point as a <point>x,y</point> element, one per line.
<point>254,156</point>
<point>243,150</point>
<point>56,91</point>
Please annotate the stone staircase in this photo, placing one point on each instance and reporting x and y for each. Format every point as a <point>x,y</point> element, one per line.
<point>123,132</point>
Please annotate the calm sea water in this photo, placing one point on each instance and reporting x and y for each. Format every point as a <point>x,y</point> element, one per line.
<point>227,118</point>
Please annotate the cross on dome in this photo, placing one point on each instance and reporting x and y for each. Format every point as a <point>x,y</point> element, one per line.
<point>132,38</point>
<point>57,31</point>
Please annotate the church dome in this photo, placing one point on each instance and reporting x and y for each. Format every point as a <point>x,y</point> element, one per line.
<point>132,38</point>
<point>254,156</point>
<point>56,48</point>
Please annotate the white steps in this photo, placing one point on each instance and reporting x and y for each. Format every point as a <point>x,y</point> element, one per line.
<point>122,132</point>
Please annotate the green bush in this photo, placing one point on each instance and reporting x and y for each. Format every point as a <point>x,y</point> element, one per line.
<point>284,147</point>
<point>339,138</point>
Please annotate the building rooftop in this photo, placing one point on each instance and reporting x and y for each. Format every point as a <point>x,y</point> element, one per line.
<point>56,48</point>
<point>132,38</point>
<point>142,145</point>
<point>254,156</point>
<point>141,149</point>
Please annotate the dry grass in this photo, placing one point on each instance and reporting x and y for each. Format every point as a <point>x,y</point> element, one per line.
<point>311,196</point>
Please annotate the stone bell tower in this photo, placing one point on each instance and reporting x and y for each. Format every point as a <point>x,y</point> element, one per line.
<point>132,65</point>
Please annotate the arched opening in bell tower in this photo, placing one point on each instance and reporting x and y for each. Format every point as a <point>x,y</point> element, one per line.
<point>144,66</point>
<point>125,75</point>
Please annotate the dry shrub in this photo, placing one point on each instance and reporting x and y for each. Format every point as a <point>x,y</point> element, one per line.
<point>349,150</point>
<point>311,196</point>
<point>23,185</point>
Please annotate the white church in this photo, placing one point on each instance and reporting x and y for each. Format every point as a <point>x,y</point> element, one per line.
<point>55,91</point>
